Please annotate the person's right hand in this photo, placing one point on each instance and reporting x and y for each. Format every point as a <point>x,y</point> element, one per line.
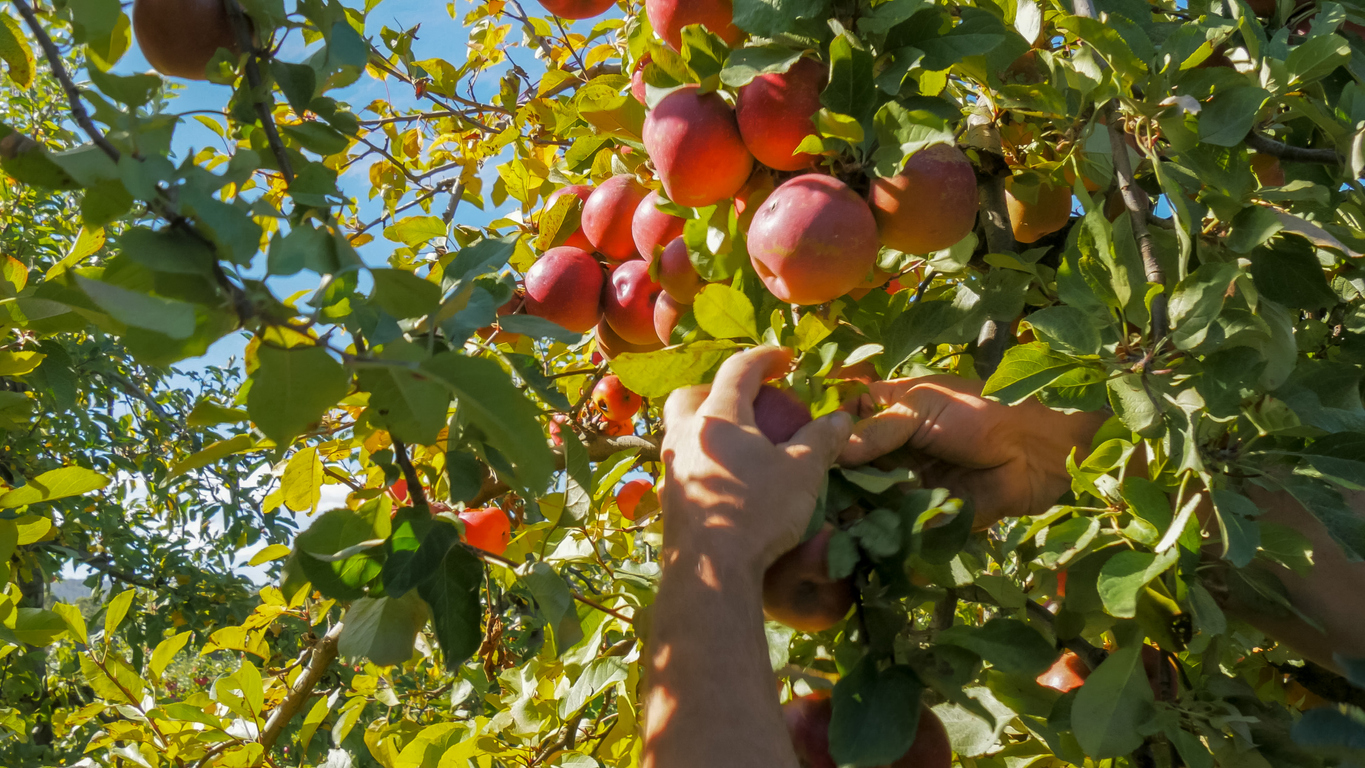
<point>1008,460</point>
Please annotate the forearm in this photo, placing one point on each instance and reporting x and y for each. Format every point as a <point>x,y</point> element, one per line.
<point>712,697</point>
<point>1331,594</point>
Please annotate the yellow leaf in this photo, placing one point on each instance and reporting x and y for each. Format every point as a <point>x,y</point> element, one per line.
<point>19,363</point>
<point>15,51</point>
<point>269,554</point>
<point>302,481</point>
<point>114,612</point>
<point>87,243</point>
<point>166,650</point>
<point>75,622</point>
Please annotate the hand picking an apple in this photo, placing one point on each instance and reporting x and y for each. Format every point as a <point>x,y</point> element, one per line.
<point>1008,460</point>
<point>724,476</point>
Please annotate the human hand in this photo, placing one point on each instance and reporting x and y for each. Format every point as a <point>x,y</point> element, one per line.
<point>729,492</point>
<point>1008,460</point>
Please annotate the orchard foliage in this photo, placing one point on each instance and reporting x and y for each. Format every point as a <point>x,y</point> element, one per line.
<point>1169,223</point>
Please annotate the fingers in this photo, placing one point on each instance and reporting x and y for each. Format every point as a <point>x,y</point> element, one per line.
<point>820,441</point>
<point>683,403</point>
<point>738,381</point>
<point>913,420</point>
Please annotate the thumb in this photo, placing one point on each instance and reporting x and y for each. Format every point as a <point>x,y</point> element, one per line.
<point>819,442</point>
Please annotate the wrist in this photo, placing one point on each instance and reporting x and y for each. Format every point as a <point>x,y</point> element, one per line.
<point>714,556</point>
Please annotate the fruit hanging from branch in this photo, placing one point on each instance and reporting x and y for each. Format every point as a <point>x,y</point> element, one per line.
<point>775,113</point>
<point>693,140</point>
<point>930,205</point>
<point>813,240</point>
<point>608,215</point>
<point>670,16</point>
<point>180,37</point>
<point>564,287</point>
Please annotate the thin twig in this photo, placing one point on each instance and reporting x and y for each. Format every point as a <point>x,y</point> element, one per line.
<point>324,653</point>
<point>1139,205</point>
<point>262,97</point>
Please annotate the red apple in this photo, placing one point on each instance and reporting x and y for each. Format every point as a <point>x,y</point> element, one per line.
<point>610,344</point>
<point>778,414</point>
<point>696,148</point>
<point>1066,674</point>
<point>798,591</point>
<point>576,239</point>
<point>608,213</point>
<point>488,529</point>
<point>775,114</point>
<point>928,206</point>
<point>813,240</point>
<point>676,273</point>
<point>628,302</point>
<point>637,78</point>
<point>563,286</point>
<point>577,9</point>
<point>628,498</point>
<point>614,401</point>
<point>668,17</point>
<point>667,311</point>
<point>1049,212</point>
<point>557,424</point>
<point>652,229</point>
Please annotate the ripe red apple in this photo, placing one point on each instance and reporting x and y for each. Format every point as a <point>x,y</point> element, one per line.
<point>614,401</point>
<point>487,528</point>
<point>775,114</point>
<point>582,191</point>
<point>564,286</point>
<point>652,229</point>
<point>1066,674</point>
<point>1268,170</point>
<point>808,718</point>
<point>628,302</point>
<point>1047,214</point>
<point>628,498</point>
<point>557,423</point>
<point>399,491</point>
<point>696,148</point>
<point>668,17</point>
<point>778,414</point>
<point>928,206</point>
<point>577,9</point>
<point>637,78</point>
<point>608,213</point>
<point>618,427</point>
<point>610,344</point>
<point>180,37</point>
<point>667,311</point>
<point>813,240</point>
<point>798,591</point>
<point>676,273</point>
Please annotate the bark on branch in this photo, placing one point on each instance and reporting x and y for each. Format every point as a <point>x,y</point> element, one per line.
<point>1268,146</point>
<point>324,653</point>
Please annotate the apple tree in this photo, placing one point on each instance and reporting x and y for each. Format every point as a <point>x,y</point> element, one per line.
<point>1146,209</point>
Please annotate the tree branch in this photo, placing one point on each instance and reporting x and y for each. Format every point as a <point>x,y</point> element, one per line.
<point>324,653</point>
<point>261,97</point>
<point>419,494</point>
<point>1268,146</point>
<point>73,94</point>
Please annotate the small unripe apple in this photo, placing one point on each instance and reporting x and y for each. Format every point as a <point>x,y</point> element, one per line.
<point>180,37</point>
<point>930,205</point>
<point>695,145</point>
<point>577,9</point>
<point>628,302</point>
<point>778,414</point>
<point>614,401</point>
<point>576,239</point>
<point>668,17</point>
<point>488,529</point>
<point>813,240</point>
<point>563,286</point>
<point>775,113</point>
<point>667,312</point>
<point>1047,214</point>
<point>652,229</point>
<point>676,273</point>
<point>608,214</point>
<point>628,498</point>
<point>797,589</point>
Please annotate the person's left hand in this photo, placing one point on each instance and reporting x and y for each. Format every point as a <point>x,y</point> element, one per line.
<point>729,492</point>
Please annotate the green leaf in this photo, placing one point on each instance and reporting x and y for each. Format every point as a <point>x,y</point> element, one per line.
<point>341,531</point>
<point>704,52</point>
<point>725,312</point>
<point>1316,58</point>
<point>655,374</point>
<point>36,626</point>
<point>771,18</point>
<point>1332,730</point>
<point>902,132</point>
<point>168,317</point>
<point>418,230</point>
<point>16,53</point>
<point>1287,271</point>
<point>745,64</point>
<point>115,611</point>
<point>382,629</point>
<point>1236,521</point>
<point>54,484</point>
<point>417,548</point>
<point>305,247</point>
<point>851,90</point>
<point>1024,370</point>
<point>403,294</point>
<point>317,136</point>
<point>410,405</point>
<point>292,389</point>
<point>1124,575</point>
<point>1109,44</point>
<point>207,413</point>
<point>166,650</point>
<point>1010,645</point>
<point>133,90</point>
<point>1252,227</point>
<point>297,81</point>
<point>979,32</point>
<point>578,483</point>
<point>75,622</point>
<point>1198,299</point>
<point>555,603</point>
<point>1228,117</point>
<point>1113,705</point>
<point>875,716</point>
<point>1067,329</point>
<point>486,398</point>
<point>455,609</point>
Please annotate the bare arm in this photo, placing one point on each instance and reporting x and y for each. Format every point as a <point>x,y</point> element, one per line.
<point>732,503</point>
